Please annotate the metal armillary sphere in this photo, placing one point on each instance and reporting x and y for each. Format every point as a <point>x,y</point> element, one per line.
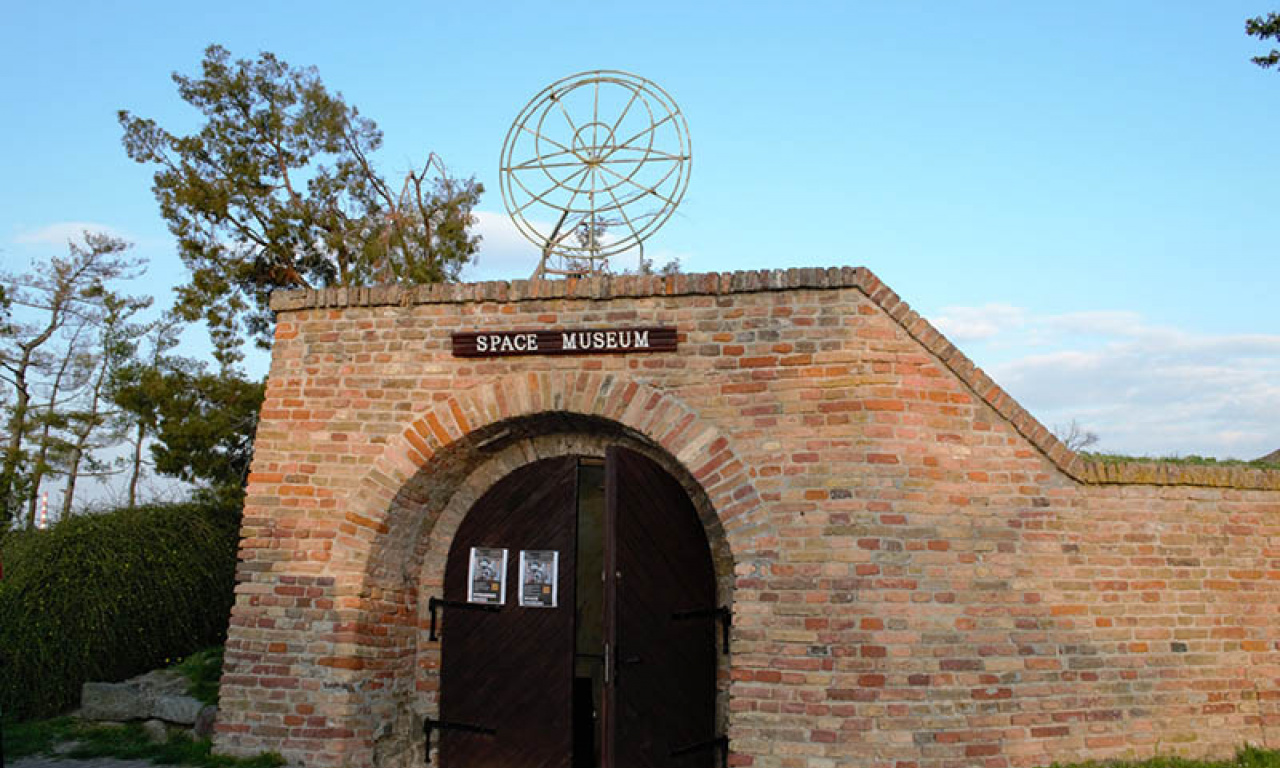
<point>592,166</point>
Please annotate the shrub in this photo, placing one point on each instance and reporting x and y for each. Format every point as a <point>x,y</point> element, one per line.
<point>203,670</point>
<point>105,597</point>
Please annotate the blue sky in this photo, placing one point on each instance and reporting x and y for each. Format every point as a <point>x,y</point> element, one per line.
<point>1081,195</point>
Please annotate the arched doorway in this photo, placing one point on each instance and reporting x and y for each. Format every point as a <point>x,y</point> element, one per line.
<point>581,624</point>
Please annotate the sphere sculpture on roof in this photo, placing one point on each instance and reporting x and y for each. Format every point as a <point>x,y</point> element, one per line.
<point>592,166</point>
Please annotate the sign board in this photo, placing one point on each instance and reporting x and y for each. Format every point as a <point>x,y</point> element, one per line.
<point>539,577</point>
<point>487,576</point>
<point>590,341</point>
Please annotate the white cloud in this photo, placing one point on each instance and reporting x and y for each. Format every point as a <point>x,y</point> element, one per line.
<point>1145,389</point>
<point>1113,322</point>
<point>505,254</point>
<point>977,323</point>
<point>62,232</point>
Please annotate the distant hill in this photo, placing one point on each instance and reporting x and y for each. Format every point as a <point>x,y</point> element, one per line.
<point>1272,458</point>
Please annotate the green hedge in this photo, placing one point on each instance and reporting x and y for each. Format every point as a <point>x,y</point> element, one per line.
<point>106,597</point>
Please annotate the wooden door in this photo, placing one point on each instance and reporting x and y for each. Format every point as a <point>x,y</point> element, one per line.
<point>512,671</point>
<point>663,691</point>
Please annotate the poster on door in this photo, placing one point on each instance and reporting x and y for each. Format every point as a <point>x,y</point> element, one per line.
<point>539,576</point>
<point>487,577</point>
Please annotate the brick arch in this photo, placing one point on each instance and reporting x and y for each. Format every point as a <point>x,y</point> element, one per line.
<point>659,416</point>
<point>377,559</point>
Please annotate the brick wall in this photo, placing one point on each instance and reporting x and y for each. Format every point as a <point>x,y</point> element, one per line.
<point>921,574</point>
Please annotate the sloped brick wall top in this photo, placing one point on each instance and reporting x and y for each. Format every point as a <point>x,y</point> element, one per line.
<point>726,283</point>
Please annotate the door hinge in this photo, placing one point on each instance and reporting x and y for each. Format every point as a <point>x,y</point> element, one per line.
<point>437,602</point>
<point>723,613</point>
<point>430,725</point>
<point>720,742</point>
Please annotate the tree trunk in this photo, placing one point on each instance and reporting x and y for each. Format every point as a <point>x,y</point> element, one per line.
<point>13,452</point>
<point>82,436</point>
<point>41,466</point>
<point>73,471</point>
<point>18,422</point>
<point>137,464</point>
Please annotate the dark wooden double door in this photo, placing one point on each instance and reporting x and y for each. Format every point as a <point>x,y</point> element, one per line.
<point>618,675</point>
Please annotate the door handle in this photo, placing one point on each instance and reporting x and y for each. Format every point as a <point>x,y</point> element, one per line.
<point>436,603</point>
<point>444,725</point>
<point>723,613</point>
<point>720,743</point>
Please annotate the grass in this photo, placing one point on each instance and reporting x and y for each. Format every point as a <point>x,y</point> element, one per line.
<point>36,737</point>
<point>203,669</point>
<point>1193,460</point>
<point>1246,757</point>
<point>125,741</point>
<point>129,741</point>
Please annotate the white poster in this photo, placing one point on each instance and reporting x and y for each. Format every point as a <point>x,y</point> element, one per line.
<point>487,578</point>
<point>539,577</point>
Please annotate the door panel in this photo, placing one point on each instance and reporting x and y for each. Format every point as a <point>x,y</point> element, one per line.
<point>512,670</point>
<point>663,695</point>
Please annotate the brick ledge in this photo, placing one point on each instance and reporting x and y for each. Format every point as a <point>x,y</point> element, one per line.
<point>721,283</point>
<point>595,288</point>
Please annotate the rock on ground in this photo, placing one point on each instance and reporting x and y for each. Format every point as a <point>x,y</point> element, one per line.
<point>113,701</point>
<point>205,721</point>
<point>156,731</point>
<point>159,695</point>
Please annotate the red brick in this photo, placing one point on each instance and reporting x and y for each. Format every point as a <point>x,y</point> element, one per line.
<point>896,533</point>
